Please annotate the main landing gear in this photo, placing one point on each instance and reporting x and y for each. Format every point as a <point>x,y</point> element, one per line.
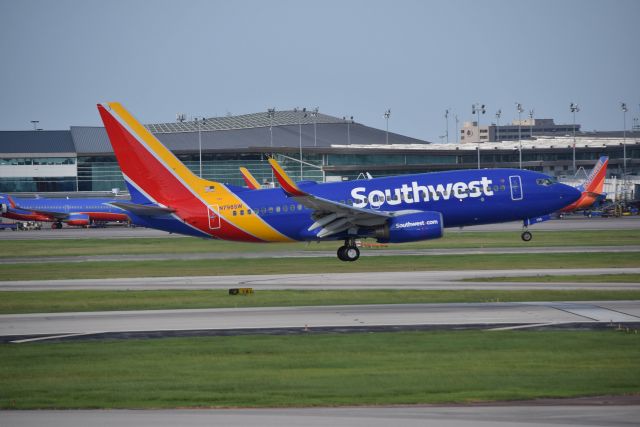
<point>526,235</point>
<point>349,252</point>
<point>56,225</point>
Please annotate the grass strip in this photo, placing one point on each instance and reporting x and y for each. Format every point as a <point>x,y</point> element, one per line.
<point>74,301</point>
<point>319,370</point>
<point>596,278</point>
<point>102,270</point>
<point>181,245</point>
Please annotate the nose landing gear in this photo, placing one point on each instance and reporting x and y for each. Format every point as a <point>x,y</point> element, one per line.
<point>349,252</point>
<point>526,235</point>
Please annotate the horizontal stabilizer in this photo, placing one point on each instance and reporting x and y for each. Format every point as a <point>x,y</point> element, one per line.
<point>143,210</point>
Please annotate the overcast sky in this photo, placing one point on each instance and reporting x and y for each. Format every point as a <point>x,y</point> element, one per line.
<point>355,58</point>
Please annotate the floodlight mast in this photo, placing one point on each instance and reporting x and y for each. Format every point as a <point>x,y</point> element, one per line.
<point>574,108</point>
<point>446,118</point>
<point>498,114</point>
<point>520,110</point>
<point>199,121</point>
<point>387,114</point>
<point>624,109</point>
<point>478,108</point>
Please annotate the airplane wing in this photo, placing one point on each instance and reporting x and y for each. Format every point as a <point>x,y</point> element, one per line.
<point>249,179</point>
<point>333,217</point>
<point>143,210</point>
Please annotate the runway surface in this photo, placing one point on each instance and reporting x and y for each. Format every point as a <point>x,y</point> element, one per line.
<point>409,416</point>
<point>571,223</point>
<point>283,253</point>
<point>308,319</point>
<point>407,280</point>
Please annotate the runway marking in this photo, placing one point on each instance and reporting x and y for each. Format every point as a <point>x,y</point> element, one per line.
<point>530,325</point>
<point>52,337</point>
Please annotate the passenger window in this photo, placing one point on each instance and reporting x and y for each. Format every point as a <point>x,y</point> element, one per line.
<point>299,207</point>
<point>292,208</point>
<point>502,188</point>
<point>235,213</point>
<point>285,208</point>
<point>248,211</point>
<point>241,211</point>
<point>270,209</point>
<point>277,209</point>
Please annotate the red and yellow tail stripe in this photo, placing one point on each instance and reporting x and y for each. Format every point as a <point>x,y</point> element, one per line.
<point>168,182</point>
<point>251,182</point>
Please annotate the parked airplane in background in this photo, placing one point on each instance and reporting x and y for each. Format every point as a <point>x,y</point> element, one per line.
<point>591,189</point>
<point>168,196</point>
<point>77,212</point>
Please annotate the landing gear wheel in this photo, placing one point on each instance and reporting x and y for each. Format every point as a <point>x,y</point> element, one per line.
<point>352,253</point>
<point>526,236</point>
<point>348,253</point>
<point>341,255</point>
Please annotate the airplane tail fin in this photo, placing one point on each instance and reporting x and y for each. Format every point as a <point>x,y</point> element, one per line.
<point>595,180</point>
<point>249,179</point>
<point>152,173</point>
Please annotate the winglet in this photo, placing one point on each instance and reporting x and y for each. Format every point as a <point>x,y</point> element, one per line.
<point>251,182</point>
<point>285,182</point>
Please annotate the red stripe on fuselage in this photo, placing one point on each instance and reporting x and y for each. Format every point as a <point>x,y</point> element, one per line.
<point>144,169</point>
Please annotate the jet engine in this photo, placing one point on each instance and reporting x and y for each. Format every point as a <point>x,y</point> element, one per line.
<point>410,228</point>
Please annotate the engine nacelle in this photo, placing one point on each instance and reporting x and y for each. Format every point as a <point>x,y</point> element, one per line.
<point>79,220</point>
<point>411,228</point>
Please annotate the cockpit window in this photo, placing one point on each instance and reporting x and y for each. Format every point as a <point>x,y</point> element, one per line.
<point>546,181</point>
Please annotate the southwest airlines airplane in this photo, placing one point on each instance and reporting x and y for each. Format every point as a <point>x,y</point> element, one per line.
<point>168,196</point>
<point>77,212</point>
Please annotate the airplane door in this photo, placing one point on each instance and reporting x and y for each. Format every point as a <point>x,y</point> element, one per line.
<point>516,187</point>
<point>214,217</point>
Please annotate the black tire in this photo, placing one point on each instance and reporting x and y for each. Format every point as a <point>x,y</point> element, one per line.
<point>351,253</point>
<point>341,253</point>
<point>526,236</point>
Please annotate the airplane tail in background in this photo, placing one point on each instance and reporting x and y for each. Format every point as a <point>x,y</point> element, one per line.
<point>595,180</point>
<point>249,179</point>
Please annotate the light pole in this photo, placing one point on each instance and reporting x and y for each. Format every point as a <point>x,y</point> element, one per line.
<point>446,118</point>
<point>457,133</point>
<point>477,109</point>
<point>349,121</point>
<point>574,108</point>
<point>314,114</point>
<point>35,124</point>
<point>304,114</point>
<point>624,109</point>
<point>498,114</point>
<point>520,110</point>
<point>271,112</point>
<point>531,112</point>
<point>387,114</point>
<point>199,121</point>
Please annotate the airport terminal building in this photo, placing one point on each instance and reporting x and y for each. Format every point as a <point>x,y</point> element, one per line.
<point>331,148</point>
